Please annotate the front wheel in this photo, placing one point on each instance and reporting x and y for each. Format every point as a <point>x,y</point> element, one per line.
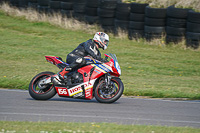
<point>39,91</point>
<point>111,93</point>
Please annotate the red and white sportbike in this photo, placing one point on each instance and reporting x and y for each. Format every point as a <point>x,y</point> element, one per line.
<point>95,79</point>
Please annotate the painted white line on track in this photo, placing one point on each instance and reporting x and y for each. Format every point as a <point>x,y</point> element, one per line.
<point>102,117</point>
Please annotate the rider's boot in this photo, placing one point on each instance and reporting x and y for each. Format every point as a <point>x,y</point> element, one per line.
<point>59,78</point>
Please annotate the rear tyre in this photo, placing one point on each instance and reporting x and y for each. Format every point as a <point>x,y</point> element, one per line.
<point>110,95</point>
<point>39,92</point>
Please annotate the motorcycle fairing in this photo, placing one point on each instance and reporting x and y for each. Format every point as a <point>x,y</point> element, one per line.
<point>55,60</point>
<point>90,74</point>
<point>102,68</point>
<point>114,64</point>
<point>82,90</point>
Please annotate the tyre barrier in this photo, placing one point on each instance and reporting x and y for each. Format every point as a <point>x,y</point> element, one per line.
<point>33,4</point>
<point>23,3</point>
<point>140,20</point>
<point>154,22</point>
<point>91,16</point>
<point>108,4</point>
<point>67,8</point>
<point>193,29</point>
<point>136,23</point>
<point>43,9</point>
<point>33,1</point>
<point>14,3</point>
<point>43,2</point>
<point>122,16</point>
<point>2,1</point>
<point>79,9</point>
<point>43,6</point>
<point>176,24</point>
<point>54,6</point>
<point>106,13</point>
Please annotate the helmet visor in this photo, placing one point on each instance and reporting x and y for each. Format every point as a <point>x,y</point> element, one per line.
<point>106,42</point>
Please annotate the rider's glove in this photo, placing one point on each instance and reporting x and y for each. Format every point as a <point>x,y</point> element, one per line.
<point>101,59</point>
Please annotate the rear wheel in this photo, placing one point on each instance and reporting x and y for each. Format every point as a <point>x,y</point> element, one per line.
<point>39,91</point>
<point>110,94</point>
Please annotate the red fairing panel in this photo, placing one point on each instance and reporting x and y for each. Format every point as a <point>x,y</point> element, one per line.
<point>62,91</point>
<point>89,89</point>
<point>85,71</point>
<point>53,60</point>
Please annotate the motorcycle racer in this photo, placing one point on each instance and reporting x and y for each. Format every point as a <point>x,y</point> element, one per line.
<point>75,59</point>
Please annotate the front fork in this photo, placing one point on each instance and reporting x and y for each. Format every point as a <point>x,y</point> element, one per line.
<point>107,80</point>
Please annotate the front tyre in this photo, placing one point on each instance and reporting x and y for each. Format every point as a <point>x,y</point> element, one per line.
<point>111,93</point>
<point>41,92</point>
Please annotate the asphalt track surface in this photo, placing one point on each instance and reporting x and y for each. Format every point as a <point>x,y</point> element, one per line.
<point>17,105</point>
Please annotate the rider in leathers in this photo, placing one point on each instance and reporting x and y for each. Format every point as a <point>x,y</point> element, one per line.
<point>75,59</point>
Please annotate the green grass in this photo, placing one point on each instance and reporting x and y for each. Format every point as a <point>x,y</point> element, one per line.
<point>147,70</point>
<point>62,127</point>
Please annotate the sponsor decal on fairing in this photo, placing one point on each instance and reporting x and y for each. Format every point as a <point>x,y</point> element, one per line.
<point>62,91</point>
<point>77,89</point>
<point>103,68</point>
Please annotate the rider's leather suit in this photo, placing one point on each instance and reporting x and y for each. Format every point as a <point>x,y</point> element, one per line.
<point>76,57</point>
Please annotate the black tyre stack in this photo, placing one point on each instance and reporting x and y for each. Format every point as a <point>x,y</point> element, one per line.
<point>43,6</point>
<point>67,8</point>
<point>23,3</point>
<point>122,16</point>
<point>155,19</point>
<point>33,4</point>
<point>55,6</point>
<point>106,13</point>
<point>176,24</point>
<point>2,1</point>
<point>91,16</point>
<point>14,2</point>
<point>193,29</point>
<point>79,9</point>
<point>136,23</point>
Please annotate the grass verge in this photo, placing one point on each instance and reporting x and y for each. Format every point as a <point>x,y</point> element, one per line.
<point>148,69</point>
<point>63,127</point>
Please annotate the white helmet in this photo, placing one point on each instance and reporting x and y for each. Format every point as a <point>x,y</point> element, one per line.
<point>101,39</point>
